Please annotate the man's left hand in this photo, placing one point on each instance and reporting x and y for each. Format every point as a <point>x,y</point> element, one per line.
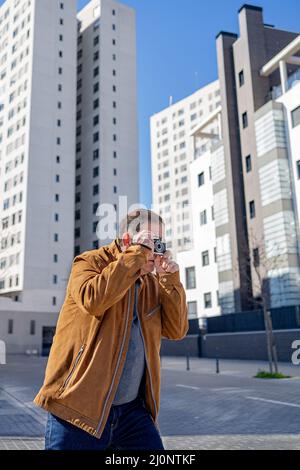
<point>164,264</point>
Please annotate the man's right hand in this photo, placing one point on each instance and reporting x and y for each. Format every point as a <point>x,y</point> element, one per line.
<point>144,238</point>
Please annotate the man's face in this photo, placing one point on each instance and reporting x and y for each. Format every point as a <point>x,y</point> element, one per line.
<point>157,231</point>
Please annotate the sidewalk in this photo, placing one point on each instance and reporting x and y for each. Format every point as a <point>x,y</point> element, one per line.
<point>228,367</point>
<point>230,410</point>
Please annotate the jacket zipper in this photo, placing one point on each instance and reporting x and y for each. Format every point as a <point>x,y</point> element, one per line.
<point>118,362</point>
<point>155,407</point>
<point>73,368</point>
<point>153,310</point>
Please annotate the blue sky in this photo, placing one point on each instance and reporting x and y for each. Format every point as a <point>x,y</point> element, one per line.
<point>176,53</point>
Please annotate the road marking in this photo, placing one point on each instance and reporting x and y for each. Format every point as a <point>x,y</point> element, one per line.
<point>294,405</point>
<point>187,386</point>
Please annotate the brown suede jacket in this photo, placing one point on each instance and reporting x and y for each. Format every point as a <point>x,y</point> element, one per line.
<point>93,329</point>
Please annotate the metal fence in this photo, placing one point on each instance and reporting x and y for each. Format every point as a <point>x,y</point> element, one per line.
<point>283,318</point>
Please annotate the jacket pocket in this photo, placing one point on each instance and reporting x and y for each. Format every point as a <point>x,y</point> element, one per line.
<point>70,374</point>
<point>153,311</point>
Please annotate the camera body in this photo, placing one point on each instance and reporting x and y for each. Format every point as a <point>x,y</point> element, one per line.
<point>160,247</point>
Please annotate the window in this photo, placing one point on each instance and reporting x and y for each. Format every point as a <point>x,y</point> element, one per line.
<point>54,279</point>
<point>32,327</point>
<point>296,117</point>
<point>241,78</point>
<point>203,218</point>
<point>207,300</point>
<point>10,329</point>
<point>298,169</point>
<point>53,300</point>
<point>96,154</point>
<point>248,163</point>
<point>252,209</point>
<point>96,40</point>
<point>256,257</point>
<point>201,179</point>
<point>245,120</point>
<point>205,258</point>
<point>96,137</point>
<point>190,278</point>
<point>192,309</point>
<point>96,172</point>
<point>96,190</point>
<point>77,250</point>
<point>95,120</point>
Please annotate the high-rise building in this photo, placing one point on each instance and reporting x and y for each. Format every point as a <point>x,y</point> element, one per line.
<point>258,188</point>
<point>172,152</point>
<point>107,164</point>
<point>54,173</point>
<point>37,133</point>
<point>198,266</point>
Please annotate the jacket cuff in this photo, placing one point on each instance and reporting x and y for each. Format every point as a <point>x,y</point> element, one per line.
<point>169,279</point>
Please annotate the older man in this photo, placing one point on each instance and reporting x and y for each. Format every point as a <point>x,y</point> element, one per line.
<point>102,382</point>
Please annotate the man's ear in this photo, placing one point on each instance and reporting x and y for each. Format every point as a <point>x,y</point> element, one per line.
<point>126,240</point>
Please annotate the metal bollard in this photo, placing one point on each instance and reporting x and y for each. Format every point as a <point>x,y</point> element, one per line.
<point>187,362</point>
<point>217,366</point>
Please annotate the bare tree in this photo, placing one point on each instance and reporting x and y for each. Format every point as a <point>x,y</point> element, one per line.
<point>266,261</point>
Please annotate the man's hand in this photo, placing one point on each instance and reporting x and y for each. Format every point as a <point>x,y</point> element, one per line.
<point>144,238</point>
<point>164,264</point>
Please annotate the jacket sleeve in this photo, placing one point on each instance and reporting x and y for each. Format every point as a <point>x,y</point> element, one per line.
<point>96,288</point>
<point>174,315</point>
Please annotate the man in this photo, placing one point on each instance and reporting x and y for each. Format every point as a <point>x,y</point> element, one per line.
<point>102,381</point>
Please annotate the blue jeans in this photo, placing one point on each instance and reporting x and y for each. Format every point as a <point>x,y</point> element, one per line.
<point>129,427</point>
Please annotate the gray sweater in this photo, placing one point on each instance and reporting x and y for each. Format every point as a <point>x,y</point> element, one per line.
<point>134,367</point>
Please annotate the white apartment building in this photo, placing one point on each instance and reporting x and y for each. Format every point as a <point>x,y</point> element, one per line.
<point>49,170</point>
<point>171,153</point>
<point>278,128</point>
<point>37,134</point>
<point>107,164</point>
<point>198,266</point>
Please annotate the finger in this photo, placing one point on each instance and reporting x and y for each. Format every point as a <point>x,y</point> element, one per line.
<point>167,255</point>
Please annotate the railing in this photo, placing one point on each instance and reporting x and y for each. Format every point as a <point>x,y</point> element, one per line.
<point>276,91</point>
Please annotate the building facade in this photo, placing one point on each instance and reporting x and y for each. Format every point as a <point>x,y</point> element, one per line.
<point>260,214</point>
<point>68,133</point>
<point>171,154</point>
<point>107,163</point>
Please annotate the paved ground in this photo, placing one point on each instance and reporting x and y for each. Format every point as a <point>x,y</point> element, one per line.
<point>199,409</point>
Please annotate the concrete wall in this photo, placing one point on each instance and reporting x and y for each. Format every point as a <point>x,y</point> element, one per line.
<point>248,345</point>
<point>187,346</point>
